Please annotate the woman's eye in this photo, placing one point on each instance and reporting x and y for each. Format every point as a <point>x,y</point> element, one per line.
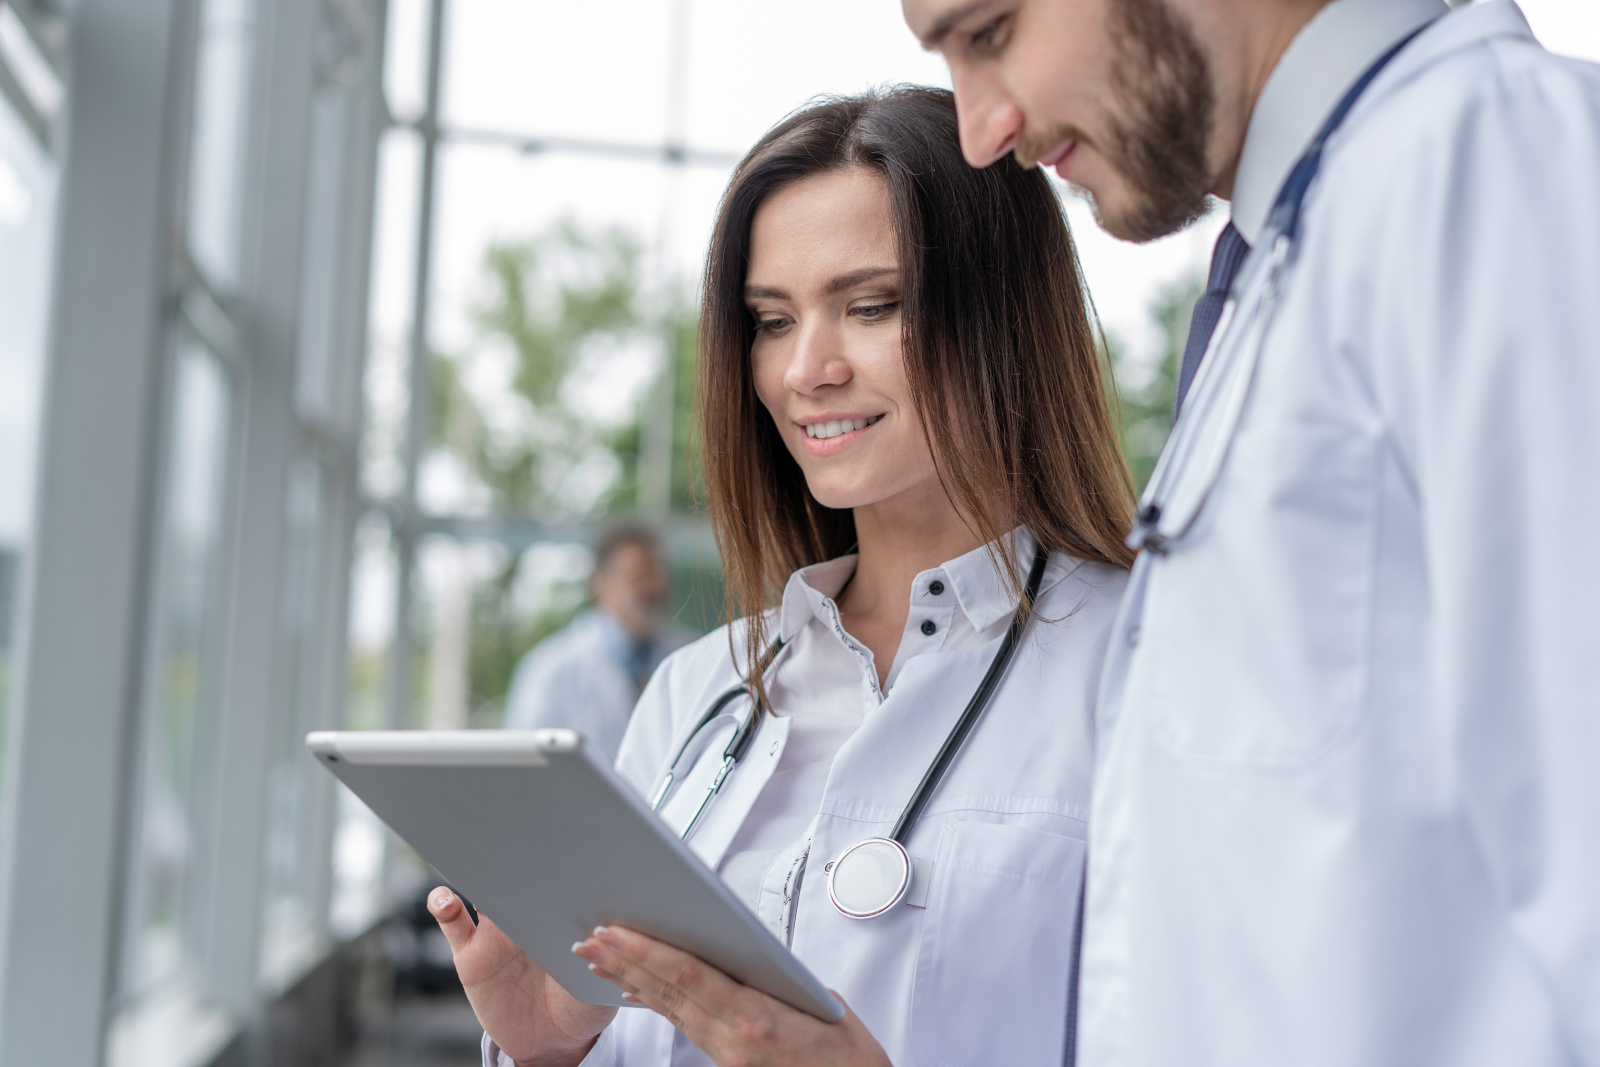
<point>771,325</point>
<point>874,312</point>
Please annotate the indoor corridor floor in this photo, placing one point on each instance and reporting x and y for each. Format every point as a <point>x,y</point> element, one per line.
<point>417,1031</point>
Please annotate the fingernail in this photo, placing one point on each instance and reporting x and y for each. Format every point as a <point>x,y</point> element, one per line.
<point>630,996</point>
<point>599,931</point>
<point>576,945</point>
<point>441,901</point>
<point>594,966</point>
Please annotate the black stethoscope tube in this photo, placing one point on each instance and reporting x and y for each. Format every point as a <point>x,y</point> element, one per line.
<point>745,735</point>
<point>975,706</point>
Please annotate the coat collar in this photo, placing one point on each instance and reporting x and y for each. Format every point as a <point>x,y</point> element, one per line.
<point>981,590</point>
<point>1323,61</point>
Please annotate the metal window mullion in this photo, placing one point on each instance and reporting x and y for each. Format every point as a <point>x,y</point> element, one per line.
<point>86,578</point>
<point>274,204</point>
<point>342,503</point>
<point>403,652</point>
<point>143,731</point>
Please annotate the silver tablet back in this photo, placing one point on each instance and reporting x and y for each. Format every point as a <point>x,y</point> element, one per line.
<point>541,835</point>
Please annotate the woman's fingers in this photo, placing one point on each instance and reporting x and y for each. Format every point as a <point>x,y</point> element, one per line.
<point>731,1022</point>
<point>665,979</point>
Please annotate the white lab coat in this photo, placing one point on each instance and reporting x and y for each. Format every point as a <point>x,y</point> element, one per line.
<point>577,679</point>
<point>980,975</point>
<point>1347,807</point>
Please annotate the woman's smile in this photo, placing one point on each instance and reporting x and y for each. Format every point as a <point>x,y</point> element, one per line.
<point>829,434</point>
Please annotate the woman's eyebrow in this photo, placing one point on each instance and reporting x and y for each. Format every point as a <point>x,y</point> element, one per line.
<point>857,277</point>
<point>764,292</point>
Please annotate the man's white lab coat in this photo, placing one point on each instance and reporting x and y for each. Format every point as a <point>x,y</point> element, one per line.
<point>1347,805</point>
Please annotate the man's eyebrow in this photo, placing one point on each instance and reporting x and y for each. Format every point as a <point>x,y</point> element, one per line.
<point>947,22</point>
<point>856,277</point>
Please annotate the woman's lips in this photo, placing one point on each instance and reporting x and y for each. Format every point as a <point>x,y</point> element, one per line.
<point>842,438</point>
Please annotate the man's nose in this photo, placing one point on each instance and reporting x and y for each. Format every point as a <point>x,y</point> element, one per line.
<point>990,122</point>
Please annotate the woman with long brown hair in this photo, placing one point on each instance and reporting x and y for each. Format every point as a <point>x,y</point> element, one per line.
<point>917,491</point>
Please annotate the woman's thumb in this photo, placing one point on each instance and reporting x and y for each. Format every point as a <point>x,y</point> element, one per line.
<point>451,913</point>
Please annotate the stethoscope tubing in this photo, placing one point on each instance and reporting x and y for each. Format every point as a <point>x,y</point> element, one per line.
<point>974,709</point>
<point>745,731</point>
<point>743,736</point>
<point>1160,523</point>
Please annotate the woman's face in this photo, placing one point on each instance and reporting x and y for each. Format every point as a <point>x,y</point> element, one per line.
<point>824,288</point>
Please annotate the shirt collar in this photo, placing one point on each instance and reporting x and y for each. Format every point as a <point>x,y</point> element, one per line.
<point>1323,60</point>
<point>614,637</point>
<point>981,591</point>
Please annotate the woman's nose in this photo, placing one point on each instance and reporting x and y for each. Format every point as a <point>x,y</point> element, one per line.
<point>818,359</point>
<point>990,122</point>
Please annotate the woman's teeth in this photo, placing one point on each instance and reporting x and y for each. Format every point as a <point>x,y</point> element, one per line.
<point>824,430</point>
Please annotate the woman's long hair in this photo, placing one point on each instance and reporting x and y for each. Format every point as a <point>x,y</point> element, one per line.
<point>999,349</point>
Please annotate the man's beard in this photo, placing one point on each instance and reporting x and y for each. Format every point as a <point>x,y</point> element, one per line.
<point>1159,141</point>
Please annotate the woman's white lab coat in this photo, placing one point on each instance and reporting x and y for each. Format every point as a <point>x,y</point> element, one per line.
<point>981,974</point>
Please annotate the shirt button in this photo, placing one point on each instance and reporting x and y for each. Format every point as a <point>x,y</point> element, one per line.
<point>936,588</point>
<point>1133,637</point>
<point>928,628</point>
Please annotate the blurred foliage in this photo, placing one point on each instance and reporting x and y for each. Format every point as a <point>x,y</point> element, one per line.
<point>1144,393</point>
<point>550,299</point>
<point>552,302</point>
<point>688,478</point>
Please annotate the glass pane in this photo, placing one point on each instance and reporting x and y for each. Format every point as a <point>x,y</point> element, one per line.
<point>371,637</point>
<point>320,287</point>
<point>546,332</point>
<point>360,841</point>
<point>27,215</point>
<point>394,243</point>
<point>512,65</point>
<point>405,63</point>
<point>180,649</point>
<point>220,137</point>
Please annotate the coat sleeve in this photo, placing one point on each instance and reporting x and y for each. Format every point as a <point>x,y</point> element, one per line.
<point>1488,340</point>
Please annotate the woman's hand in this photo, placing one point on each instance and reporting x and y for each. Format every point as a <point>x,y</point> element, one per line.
<point>733,1024</point>
<point>523,1009</point>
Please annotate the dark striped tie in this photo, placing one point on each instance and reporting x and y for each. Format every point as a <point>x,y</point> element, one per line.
<point>1225,262</point>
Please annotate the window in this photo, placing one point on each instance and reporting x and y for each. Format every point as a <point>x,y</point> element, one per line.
<point>173,783</point>
<point>27,226</point>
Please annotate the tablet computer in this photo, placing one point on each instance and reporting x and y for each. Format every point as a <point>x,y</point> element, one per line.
<point>537,831</point>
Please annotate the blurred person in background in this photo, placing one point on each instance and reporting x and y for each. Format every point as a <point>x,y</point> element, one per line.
<point>906,430</point>
<point>1347,802</point>
<point>588,675</point>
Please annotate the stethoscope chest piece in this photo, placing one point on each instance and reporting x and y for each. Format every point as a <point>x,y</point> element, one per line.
<point>869,878</point>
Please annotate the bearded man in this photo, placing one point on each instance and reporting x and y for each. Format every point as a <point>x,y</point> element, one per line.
<point>1347,798</point>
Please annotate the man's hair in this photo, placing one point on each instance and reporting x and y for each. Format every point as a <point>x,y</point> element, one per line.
<point>616,535</point>
<point>999,348</point>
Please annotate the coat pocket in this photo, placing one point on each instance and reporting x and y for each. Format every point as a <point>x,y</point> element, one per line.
<point>1258,643</point>
<point>997,950</point>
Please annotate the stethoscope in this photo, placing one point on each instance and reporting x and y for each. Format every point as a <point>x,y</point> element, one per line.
<point>872,875</point>
<point>1192,462</point>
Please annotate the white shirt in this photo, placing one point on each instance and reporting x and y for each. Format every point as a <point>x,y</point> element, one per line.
<point>980,975</point>
<point>1347,806</point>
<point>579,679</point>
